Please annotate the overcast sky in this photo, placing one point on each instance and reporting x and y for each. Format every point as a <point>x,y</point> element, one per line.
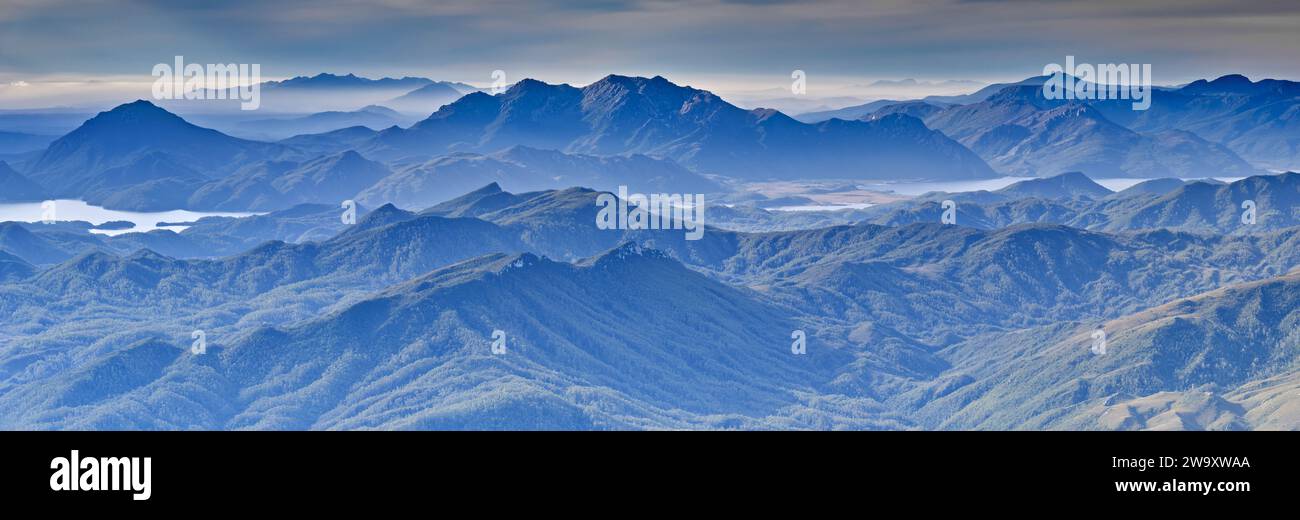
<point>720,44</point>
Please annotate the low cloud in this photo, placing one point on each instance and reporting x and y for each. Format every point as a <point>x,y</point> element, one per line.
<point>762,40</point>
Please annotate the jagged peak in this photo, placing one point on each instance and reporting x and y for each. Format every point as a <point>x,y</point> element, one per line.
<point>531,86</point>
<point>491,188</point>
<point>624,252</point>
<point>519,261</point>
<point>1073,109</point>
<point>382,216</point>
<point>634,80</point>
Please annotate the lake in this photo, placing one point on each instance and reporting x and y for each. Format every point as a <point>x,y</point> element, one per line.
<point>73,210</point>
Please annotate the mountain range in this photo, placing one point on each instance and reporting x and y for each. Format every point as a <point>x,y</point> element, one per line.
<point>1255,119</point>
<point>652,116</point>
<point>1020,133</point>
<point>141,157</point>
<point>1214,119</point>
<point>322,92</point>
<point>389,323</point>
<point>1073,199</point>
<point>521,169</point>
<point>474,289</point>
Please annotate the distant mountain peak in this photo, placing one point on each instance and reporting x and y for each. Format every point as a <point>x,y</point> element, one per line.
<point>614,78</point>
<point>520,261</point>
<point>1227,84</point>
<point>1231,79</point>
<point>1061,186</point>
<point>614,87</point>
<point>148,254</point>
<point>382,216</point>
<point>625,252</point>
<point>137,110</point>
<point>328,80</point>
<point>137,104</point>
<point>634,80</point>
<point>1071,177</point>
<point>908,82</point>
<point>378,109</point>
<point>530,86</point>
<point>86,261</point>
<point>125,157</point>
<point>122,121</point>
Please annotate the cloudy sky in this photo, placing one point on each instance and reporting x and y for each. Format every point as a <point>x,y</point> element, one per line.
<point>719,44</point>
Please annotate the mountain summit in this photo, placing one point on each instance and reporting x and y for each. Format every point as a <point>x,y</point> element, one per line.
<point>121,149</point>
